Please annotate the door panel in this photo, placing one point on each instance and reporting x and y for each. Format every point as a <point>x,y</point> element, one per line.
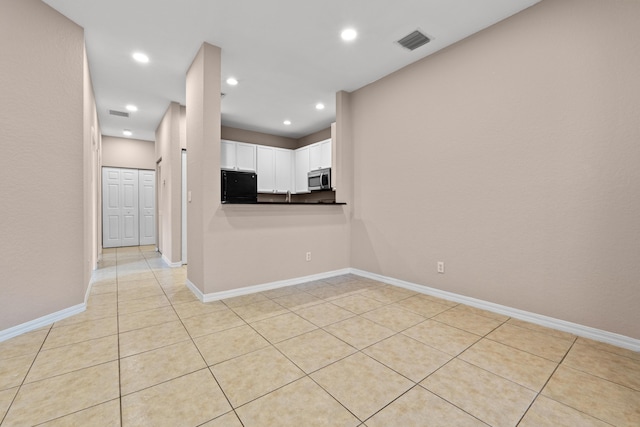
<point>114,228</point>
<point>111,211</point>
<point>129,231</point>
<point>130,228</point>
<point>147,205</point>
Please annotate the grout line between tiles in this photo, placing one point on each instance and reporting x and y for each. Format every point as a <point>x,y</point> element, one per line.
<point>25,376</point>
<point>539,393</point>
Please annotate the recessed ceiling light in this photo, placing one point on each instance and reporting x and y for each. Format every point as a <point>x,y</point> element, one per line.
<point>287,122</point>
<point>232,81</point>
<point>349,34</point>
<point>127,132</point>
<point>131,107</point>
<point>319,106</point>
<point>140,57</point>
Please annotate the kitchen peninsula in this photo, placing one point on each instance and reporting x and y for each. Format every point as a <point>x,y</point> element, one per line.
<point>253,173</point>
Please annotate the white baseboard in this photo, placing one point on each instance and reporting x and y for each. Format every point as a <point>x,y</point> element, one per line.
<point>215,296</point>
<point>193,288</point>
<point>549,322</point>
<point>42,321</point>
<point>171,264</point>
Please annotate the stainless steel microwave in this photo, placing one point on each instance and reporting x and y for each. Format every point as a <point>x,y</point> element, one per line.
<point>319,179</point>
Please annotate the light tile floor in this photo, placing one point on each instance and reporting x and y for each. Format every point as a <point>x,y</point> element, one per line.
<point>345,351</point>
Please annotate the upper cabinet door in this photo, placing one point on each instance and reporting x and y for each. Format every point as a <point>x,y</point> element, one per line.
<point>246,157</point>
<point>266,169</point>
<point>325,154</point>
<point>228,155</point>
<point>237,156</point>
<point>301,183</point>
<point>283,170</point>
<point>315,157</point>
<point>320,155</point>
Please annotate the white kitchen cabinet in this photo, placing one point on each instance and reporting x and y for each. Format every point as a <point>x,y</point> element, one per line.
<point>266,169</point>
<point>237,156</point>
<point>320,155</point>
<point>325,154</point>
<point>246,157</point>
<point>275,169</point>
<point>283,170</point>
<point>227,155</point>
<point>301,168</point>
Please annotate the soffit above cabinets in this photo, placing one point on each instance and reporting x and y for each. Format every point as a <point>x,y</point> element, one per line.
<point>287,55</point>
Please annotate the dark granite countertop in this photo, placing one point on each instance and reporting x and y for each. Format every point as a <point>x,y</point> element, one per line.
<point>287,203</point>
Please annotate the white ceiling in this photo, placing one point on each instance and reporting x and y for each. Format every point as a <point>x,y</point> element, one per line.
<point>286,54</point>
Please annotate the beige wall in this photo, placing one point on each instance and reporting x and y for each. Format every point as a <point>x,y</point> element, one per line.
<point>241,135</point>
<point>314,137</point>
<point>203,160</point>
<point>169,191</point>
<point>42,249</point>
<point>128,153</point>
<point>513,157</point>
<point>234,134</point>
<point>232,247</point>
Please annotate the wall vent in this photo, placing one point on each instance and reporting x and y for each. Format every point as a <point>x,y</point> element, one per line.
<point>119,113</point>
<point>414,40</point>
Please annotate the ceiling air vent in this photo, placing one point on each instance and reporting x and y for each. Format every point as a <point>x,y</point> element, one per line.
<point>119,113</point>
<point>413,40</point>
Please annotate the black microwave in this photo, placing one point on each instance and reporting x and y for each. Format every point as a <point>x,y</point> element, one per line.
<point>239,187</point>
<point>319,179</point>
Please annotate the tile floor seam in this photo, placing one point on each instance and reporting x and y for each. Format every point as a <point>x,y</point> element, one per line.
<point>334,397</point>
<point>460,352</point>
<point>456,327</point>
<point>119,352</point>
<point>539,393</point>
<point>568,406</point>
<point>508,379</point>
<point>519,349</point>
<point>455,405</point>
<point>74,412</point>
<point>599,376</point>
<point>262,395</point>
<point>462,409</point>
<point>206,364</point>
<point>607,351</point>
<point>602,378</point>
<point>25,376</point>
<point>308,375</point>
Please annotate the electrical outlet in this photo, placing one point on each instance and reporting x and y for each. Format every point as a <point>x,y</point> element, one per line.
<point>441,267</point>
<point>308,256</point>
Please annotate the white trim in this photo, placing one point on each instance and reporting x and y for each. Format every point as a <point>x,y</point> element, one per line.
<point>549,322</point>
<point>171,264</point>
<point>42,321</point>
<point>193,288</point>
<point>215,296</point>
<point>88,293</point>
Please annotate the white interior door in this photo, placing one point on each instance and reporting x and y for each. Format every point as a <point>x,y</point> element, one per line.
<point>130,207</point>
<point>147,204</point>
<point>111,209</point>
<point>121,207</point>
<point>184,206</point>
